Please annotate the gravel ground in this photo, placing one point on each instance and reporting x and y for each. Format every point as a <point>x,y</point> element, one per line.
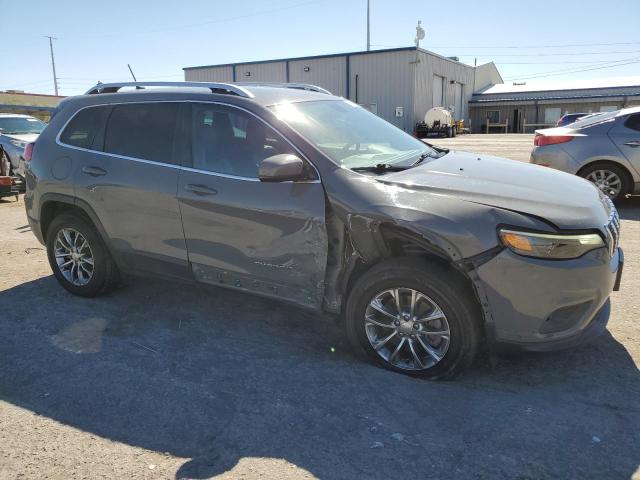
<point>169,380</point>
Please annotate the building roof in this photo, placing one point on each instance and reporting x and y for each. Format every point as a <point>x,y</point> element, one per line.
<point>561,85</point>
<point>311,57</point>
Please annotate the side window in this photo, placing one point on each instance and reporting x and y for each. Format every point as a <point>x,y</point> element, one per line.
<point>493,116</point>
<point>231,141</point>
<point>633,122</point>
<point>142,130</point>
<point>81,130</point>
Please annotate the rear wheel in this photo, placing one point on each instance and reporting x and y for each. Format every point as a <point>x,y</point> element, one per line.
<point>611,179</point>
<point>415,318</point>
<point>78,257</point>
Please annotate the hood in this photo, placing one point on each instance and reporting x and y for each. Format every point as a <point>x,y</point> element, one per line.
<point>567,201</point>
<point>23,137</point>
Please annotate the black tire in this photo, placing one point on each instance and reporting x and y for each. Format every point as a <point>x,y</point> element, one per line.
<point>105,273</point>
<point>621,172</point>
<point>439,282</point>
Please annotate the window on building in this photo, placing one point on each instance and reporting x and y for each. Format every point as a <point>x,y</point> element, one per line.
<point>232,142</point>
<point>552,114</point>
<point>608,108</point>
<point>493,116</point>
<point>81,130</point>
<point>633,122</point>
<point>142,130</point>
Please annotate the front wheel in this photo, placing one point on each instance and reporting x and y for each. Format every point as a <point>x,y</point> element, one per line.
<point>414,317</point>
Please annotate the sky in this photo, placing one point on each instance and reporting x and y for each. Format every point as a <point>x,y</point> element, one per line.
<point>529,41</point>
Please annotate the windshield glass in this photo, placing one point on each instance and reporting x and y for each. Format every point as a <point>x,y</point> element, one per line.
<point>18,125</point>
<point>350,135</point>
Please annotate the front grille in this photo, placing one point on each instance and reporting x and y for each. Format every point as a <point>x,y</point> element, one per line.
<point>613,231</point>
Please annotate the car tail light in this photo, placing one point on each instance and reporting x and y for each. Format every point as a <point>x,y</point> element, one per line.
<point>28,152</point>
<point>6,181</point>
<point>541,140</point>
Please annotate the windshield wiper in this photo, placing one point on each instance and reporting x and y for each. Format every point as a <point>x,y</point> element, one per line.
<point>379,168</point>
<point>429,154</point>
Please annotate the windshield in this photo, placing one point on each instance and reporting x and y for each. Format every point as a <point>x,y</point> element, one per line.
<point>20,125</point>
<point>350,135</point>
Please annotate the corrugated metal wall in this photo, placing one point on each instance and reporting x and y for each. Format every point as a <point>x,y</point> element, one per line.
<point>529,109</point>
<point>386,80</point>
<point>328,72</point>
<point>430,65</point>
<point>262,72</point>
<point>211,74</point>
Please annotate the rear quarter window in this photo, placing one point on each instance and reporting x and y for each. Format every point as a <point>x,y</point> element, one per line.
<point>81,130</point>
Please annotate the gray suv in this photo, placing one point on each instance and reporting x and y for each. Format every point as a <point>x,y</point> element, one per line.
<point>288,192</point>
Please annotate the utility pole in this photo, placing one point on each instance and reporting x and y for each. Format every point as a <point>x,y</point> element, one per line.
<point>53,63</point>
<point>368,25</point>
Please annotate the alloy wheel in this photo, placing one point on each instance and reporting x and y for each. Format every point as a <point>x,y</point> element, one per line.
<point>607,181</point>
<point>407,328</point>
<point>74,256</point>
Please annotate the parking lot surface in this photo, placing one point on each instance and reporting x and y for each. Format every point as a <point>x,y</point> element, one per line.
<point>513,146</point>
<point>172,380</point>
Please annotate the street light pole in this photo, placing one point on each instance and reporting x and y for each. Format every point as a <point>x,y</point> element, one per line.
<point>53,64</point>
<point>368,25</point>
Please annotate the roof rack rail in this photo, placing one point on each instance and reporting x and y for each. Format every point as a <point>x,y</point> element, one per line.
<point>299,86</point>
<point>225,88</point>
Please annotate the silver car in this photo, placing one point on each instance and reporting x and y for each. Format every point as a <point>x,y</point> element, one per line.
<point>604,149</point>
<point>15,132</point>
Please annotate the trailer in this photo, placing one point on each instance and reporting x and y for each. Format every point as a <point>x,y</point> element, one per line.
<point>438,121</point>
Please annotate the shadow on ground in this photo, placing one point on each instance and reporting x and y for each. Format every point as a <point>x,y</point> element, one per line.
<point>216,376</point>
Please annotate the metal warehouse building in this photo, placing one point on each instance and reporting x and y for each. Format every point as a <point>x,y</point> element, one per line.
<point>522,108</point>
<point>398,84</point>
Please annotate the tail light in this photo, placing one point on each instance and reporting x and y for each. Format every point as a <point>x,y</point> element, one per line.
<point>28,152</point>
<point>541,140</point>
<point>6,181</point>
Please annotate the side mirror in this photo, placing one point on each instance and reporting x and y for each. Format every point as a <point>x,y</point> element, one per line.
<point>281,168</point>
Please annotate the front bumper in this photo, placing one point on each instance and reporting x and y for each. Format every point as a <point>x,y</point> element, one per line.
<point>543,305</point>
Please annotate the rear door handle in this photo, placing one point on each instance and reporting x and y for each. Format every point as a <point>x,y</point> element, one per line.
<point>94,171</point>
<point>200,189</point>
<point>633,143</point>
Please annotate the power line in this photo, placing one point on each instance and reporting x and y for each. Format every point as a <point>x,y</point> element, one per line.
<point>551,54</point>
<point>204,23</point>
<point>565,72</point>
<point>538,46</point>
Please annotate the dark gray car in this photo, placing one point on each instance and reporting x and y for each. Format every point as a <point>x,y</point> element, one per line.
<point>295,194</point>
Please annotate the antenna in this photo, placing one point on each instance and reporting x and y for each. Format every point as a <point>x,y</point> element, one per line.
<point>134,77</point>
<point>53,64</point>
<point>420,33</point>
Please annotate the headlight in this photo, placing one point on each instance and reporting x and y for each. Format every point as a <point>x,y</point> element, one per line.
<point>548,245</point>
<point>17,143</point>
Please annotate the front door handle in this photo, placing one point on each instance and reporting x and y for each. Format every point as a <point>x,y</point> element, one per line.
<point>200,189</point>
<point>94,171</point>
<point>633,143</point>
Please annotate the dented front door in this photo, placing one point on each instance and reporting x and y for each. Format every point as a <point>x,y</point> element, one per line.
<point>267,238</point>
<point>263,237</point>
